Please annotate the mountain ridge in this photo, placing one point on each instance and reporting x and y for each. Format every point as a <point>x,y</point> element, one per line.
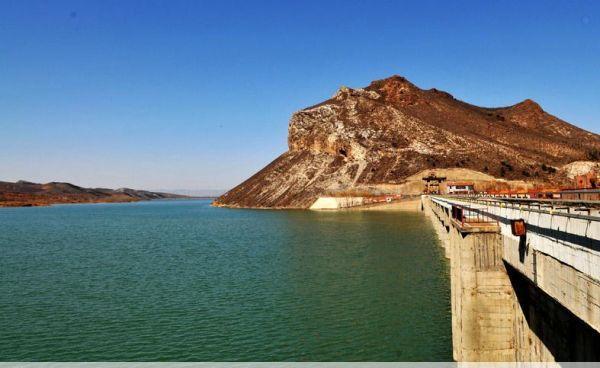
<point>392,129</point>
<point>24,194</point>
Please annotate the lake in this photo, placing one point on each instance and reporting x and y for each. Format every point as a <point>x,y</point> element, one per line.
<point>183,281</point>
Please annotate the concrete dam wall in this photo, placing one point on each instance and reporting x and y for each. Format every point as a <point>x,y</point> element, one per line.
<point>509,301</point>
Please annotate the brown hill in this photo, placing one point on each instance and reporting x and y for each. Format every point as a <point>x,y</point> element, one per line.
<point>392,129</point>
<point>23,193</point>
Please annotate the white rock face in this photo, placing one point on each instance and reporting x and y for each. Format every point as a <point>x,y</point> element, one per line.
<point>345,92</point>
<point>580,168</point>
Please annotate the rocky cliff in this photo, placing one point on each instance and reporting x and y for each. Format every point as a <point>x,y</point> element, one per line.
<point>392,129</point>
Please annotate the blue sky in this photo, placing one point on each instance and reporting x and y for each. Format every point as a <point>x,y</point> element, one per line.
<point>197,94</point>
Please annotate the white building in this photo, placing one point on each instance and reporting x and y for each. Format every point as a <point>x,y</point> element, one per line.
<point>460,187</point>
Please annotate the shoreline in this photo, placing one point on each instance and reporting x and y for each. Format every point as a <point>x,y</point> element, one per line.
<point>408,204</point>
<point>50,204</point>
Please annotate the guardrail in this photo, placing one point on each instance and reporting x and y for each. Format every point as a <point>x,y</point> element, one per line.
<point>583,202</point>
<point>572,239</point>
<point>513,203</point>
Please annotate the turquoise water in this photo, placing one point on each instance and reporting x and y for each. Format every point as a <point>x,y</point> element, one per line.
<point>180,280</point>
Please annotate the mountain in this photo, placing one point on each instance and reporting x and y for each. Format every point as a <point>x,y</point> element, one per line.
<point>198,193</point>
<point>392,131</point>
<point>23,193</point>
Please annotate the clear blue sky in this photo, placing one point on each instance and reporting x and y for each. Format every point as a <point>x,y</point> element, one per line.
<point>197,94</point>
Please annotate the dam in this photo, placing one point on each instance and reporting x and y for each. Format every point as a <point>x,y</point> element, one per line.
<point>524,277</point>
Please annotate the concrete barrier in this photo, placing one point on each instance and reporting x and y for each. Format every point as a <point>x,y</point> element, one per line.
<point>335,203</point>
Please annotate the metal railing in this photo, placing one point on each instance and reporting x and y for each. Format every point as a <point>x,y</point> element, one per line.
<point>583,202</point>
<point>468,215</point>
<point>505,203</point>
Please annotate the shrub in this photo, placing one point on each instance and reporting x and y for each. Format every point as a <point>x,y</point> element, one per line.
<point>548,169</point>
<point>594,154</point>
<point>507,165</point>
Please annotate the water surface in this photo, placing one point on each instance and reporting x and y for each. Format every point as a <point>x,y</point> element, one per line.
<point>180,280</point>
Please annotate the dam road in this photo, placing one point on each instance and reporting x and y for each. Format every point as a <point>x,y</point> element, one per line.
<point>524,277</point>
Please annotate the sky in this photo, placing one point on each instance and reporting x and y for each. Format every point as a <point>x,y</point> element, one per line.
<point>198,94</point>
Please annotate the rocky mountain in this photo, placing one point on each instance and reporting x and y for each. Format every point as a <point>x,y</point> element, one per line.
<point>392,129</point>
<point>23,193</point>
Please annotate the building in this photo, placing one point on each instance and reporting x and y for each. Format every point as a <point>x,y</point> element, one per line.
<point>460,187</point>
<point>432,183</point>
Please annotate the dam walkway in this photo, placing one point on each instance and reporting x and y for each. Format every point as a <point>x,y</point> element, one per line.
<point>525,277</point>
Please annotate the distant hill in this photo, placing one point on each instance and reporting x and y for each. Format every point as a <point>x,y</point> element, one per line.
<point>23,193</point>
<point>198,193</point>
<point>390,130</point>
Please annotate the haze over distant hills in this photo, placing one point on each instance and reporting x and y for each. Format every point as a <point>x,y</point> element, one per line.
<point>209,193</point>
<point>392,129</point>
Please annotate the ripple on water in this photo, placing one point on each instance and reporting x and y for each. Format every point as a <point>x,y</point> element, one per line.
<point>185,281</point>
